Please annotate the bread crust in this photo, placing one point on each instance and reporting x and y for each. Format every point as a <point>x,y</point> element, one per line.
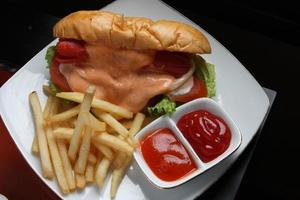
<point>115,30</point>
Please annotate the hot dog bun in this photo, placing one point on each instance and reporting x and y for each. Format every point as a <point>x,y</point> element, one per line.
<point>131,32</point>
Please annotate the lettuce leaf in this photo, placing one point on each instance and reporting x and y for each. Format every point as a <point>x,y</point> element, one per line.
<point>54,89</point>
<point>206,72</point>
<point>49,55</point>
<point>165,106</point>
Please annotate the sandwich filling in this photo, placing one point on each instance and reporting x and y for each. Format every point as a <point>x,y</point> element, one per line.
<point>130,77</point>
<point>125,77</point>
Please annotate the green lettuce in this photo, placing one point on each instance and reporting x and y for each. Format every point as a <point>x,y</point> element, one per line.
<point>54,89</point>
<point>206,72</point>
<point>165,106</point>
<point>49,55</point>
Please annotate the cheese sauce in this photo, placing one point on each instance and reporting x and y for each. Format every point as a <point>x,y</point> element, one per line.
<point>118,76</point>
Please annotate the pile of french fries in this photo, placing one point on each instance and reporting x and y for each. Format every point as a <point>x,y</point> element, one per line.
<point>80,144</point>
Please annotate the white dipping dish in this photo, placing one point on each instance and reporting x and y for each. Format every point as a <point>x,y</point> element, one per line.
<point>170,122</point>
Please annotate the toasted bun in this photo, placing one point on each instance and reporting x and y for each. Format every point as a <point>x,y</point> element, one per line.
<point>131,32</point>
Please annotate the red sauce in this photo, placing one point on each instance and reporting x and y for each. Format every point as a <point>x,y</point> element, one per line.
<point>166,156</point>
<point>208,134</point>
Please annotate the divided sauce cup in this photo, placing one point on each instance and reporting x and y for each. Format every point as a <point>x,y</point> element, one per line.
<point>170,122</point>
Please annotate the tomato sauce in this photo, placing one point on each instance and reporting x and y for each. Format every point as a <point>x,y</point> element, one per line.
<point>207,133</point>
<point>166,156</point>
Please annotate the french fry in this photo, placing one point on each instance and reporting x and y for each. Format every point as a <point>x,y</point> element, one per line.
<point>118,117</point>
<point>46,112</point>
<point>121,156</point>
<point>84,107</point>
<point>111,121</point>
<point>66,164</point>
<point>84,151</point>
<point>48,107</point>
<point>117,176</point>
<point>47,90</point>
<point>132,142</point>
<point>63,116</point>
<point>57,163</point>
<point>47,169</point>
<point>127,124</point>
<point>97,103</point>
<point>63,133</point>
<point>54,153</point>
<point>93,122</point>
<point>120,137</point>
<point>75,165</point>
<point>89,173</point>
<point>101,171</point>
<point>67,124</point>
<point>100,156</point>
<point>35,145</point>
<point>107,152</point>
<point>74,146</point>
<point>113,142</point>
<point>92,158</point>
<point>119,160</point>
<point>80,181</point>
<point>136,124</point>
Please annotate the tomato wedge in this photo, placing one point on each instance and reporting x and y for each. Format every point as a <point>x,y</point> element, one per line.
<point>198,90</point>
<point>174,63</point>
<point>57,78</point>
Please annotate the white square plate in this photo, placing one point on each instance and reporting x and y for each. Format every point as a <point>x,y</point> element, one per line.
<point>238,93</point>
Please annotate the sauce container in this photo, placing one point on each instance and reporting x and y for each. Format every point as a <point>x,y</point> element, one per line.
<point>170,122</point>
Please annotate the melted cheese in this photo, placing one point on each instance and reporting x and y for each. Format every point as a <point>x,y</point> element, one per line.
<point>118,75</point>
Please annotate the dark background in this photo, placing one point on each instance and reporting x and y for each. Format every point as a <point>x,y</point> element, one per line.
<point>263,35</point>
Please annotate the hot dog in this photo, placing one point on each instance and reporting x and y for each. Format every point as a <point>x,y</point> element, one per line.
<point>130,60</point>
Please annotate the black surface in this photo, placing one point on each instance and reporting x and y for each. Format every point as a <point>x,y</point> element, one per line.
<point>264,37</point>
<point>275,19</point>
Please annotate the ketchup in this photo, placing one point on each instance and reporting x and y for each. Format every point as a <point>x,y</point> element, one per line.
<point>166,156</point>
<point>207,133</point>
